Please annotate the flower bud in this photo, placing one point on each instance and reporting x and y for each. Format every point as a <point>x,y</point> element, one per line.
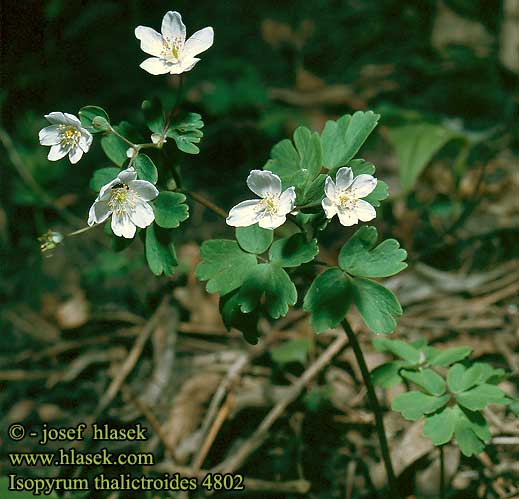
<point>50,240</point>
<point>101,124</point>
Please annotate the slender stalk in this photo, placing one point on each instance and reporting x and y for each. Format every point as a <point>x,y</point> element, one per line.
<point>122,137</point>
<point>442,473</point>
<point>205,202</point>
<point>80,231</point>
<point>375,407</point>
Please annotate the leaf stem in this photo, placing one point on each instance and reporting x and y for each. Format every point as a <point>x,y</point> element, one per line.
<point>205,202</point>
<point>442,473</point>
<point>122,137</point>
<point>375,407</point>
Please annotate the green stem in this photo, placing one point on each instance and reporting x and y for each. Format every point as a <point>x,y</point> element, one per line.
<point>442,473</point>
<point>375,407</point>
<point>80,231</point>
<point>122,137</point>
<point>205,202</point>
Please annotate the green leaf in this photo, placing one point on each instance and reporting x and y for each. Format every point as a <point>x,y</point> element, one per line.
<point>224,265</point>
<point>187,132</point>
<point>160,251</point>
<point>291,351</point>
<point>298,163</point>
<point>102,176</point>
<point>399,348</point>
<point>439,427</point>
<point>170,209</point>
<point>377,305</point>
<point>146,169</point>
<point>254,239</point>
<point>293,251</point>
<point>343,138</point>
<point>387,375</point>
<point>328,299</point>
<point>314,192</point>
<point>153,114</point>
<point>87,115</point>
<point>471,431</point>
<point>480,396</point>
<point>114,147</point>
<point>360,257</point>
<point>413,405</point>
<point>232,316</point>
<point>270,286</point>
<point>450,356</point>
<point>426,379</point>
<point>460,378</point>
<point>415,145</point>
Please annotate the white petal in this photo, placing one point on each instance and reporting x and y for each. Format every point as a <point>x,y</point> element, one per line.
<point>329,188</point>
<point>104,193</point>
<point>85,141</point>
<point>75,154</point>
<point>245,213</point>
<point>347,217</point>
<point>49,135</point>
<point>364,211</point>
<point>173,27</point>
<point>329,207</point>
<point>363,185</point>
<point>344,177</point>
<point>183,66</point>
<point>272,221</point>
<point>287,201</point>
<point>56,118</point>
<point>199,42</point>
<point>98,213</point>
<point>70,119</point>
<point>144,189</point>
<point>151,41</point>
<point>57,152</point>
<point>156,138</point>
<point>127,176</point>
<point>142,215</point>
<point>263,182</point>
<point>122,225</point>
<point>155,66</point>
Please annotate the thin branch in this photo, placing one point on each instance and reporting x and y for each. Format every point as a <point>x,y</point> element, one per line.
<point>205,202</point>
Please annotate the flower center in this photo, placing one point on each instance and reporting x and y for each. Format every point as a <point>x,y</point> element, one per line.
<point>122,199</point>
<point>69,135</point>
<point>171,49</point>
<point>269,204</point>
<point>346,200</point>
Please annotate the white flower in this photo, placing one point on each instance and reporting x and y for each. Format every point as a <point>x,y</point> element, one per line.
<point>271,210</point>
<point>65,135</point>
<point>170,50</point>
<point>126,199</point>
<point>344,197</point>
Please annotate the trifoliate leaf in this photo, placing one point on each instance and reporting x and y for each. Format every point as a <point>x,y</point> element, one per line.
<point>328,299</point>
<point>342,139</point>
<point>291,351</point>
<point>170,209</point>
<point>102,176</point>
<point>298,163</point>
<point>450,356</point>
<point>114,147</point>
<point>377,305</point>
<point>460,379</point>
<point>360,257</point>
<point>254,239</point>
<point>153,114</point>
<point>427,379</point>
<point>87,115</point>
<point>413,405</point>
<point>269,286</point>
<point>146,169</point>
<point>293,251</point>
<point>439,427</point>
<point>399,348</point>
<point>480,396</point>
<point>387,375</point>
<point>233,317</point>
<point>415,145</point>
<point>160,251</point>
<point>224,265</point>
<point>187,132</point>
